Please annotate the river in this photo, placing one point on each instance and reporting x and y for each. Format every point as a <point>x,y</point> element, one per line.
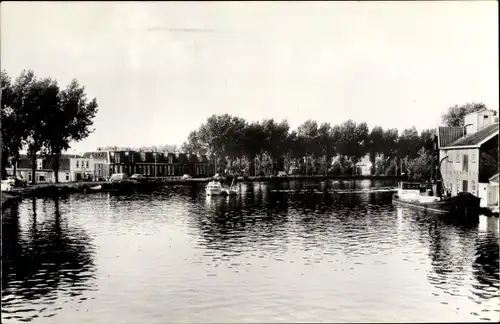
<point>264,256</point>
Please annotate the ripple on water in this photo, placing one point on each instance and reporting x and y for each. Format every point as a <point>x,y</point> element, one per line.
<point>257,257</point>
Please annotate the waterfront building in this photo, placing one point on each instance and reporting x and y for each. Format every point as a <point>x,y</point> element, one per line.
<point>81,168</point>
<point>44,172</point>
<point>153,164</point>
<point>471,154</point>
<point>100,159</point>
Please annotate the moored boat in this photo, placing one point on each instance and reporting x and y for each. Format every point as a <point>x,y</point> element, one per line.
<point>215,188</point>
<point>414,195</point>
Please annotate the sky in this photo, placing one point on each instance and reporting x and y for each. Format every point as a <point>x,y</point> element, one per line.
<point>159,70</point>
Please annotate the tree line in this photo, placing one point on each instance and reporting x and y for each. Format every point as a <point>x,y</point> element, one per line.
<point>40,117</point>
<point>264,147</point>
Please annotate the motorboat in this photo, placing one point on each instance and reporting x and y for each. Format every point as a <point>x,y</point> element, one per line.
<point>215,188</point>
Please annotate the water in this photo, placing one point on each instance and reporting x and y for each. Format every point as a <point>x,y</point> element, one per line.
<point>265,256</point>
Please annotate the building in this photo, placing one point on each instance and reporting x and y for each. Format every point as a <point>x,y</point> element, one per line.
<point>101,163</point>
<point>44,172</point>
<point>471,154</point>
<point>23,169</point>
<point>154,164</point>
<point>489,192</point>
<point>81,168</point>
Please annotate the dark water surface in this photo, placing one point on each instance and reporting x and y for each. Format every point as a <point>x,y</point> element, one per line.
<point>178,256</point>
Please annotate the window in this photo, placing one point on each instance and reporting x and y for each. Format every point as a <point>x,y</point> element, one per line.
<point>458,185</point>
<point>473,185</point>
<point>457,157</point>
<point>473,157</point>
<point>465,164</point>
<point>29,177</point>
<point>86,164</point>
<point>77,163</point>
<point>465,186</point>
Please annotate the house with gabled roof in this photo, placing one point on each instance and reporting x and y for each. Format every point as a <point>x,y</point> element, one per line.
<point>44,169</point>
<point>471,154</point>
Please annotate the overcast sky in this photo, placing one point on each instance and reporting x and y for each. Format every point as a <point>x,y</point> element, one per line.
<point>159,70</point>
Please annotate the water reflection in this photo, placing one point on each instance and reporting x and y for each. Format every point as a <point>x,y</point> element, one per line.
<point>486,262</point>
<point>46,261</point>
<point>266,254</point>
<point>464,259</point>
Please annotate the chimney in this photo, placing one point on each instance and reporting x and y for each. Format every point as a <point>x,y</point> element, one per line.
<point>477,120</point>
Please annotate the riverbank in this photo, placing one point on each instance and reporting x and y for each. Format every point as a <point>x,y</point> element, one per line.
<point>49,189</point>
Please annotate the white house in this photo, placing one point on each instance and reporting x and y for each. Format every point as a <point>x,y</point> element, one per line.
<point>463,147</point>
<point>489,192</point>
<point>81,168</point>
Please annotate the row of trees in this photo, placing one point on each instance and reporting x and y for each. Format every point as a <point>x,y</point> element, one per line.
<point>237,144</point>
<point>260,147</point>
<point>39,116</point>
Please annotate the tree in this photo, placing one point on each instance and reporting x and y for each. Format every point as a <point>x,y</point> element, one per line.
<point>325,145</point>
<point>455,115</point>
<point>427,139</point>
<point>420,168</point>
<point>375,144</point>
<point>11,125</point>
<point>70,119</point>
<point>193,144</point>
<point>409,142</point>
<point>275,142</point>
<point>252,143</point>
<point>35,100</point>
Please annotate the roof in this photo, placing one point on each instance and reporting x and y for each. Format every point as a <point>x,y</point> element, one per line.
<point>100,155</point>
<point>478,138</point>
<point>477,111</point>
<point>447,135</point>
<point>25,163</point>
<point>69,156</point>
<point>63,164</point>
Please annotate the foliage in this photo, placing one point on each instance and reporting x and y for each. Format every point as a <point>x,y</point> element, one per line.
<point>12,128</point>
<point>257,147</point>
<point>69,120</point>
<point>42,118</point>
<point>420,168</point>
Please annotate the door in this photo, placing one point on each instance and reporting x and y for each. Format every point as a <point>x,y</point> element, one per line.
<point>465,187</point>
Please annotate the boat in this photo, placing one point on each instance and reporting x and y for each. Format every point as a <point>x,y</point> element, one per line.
<point>99,187</point>
<point>215,188</point>
<point>429,198</point>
